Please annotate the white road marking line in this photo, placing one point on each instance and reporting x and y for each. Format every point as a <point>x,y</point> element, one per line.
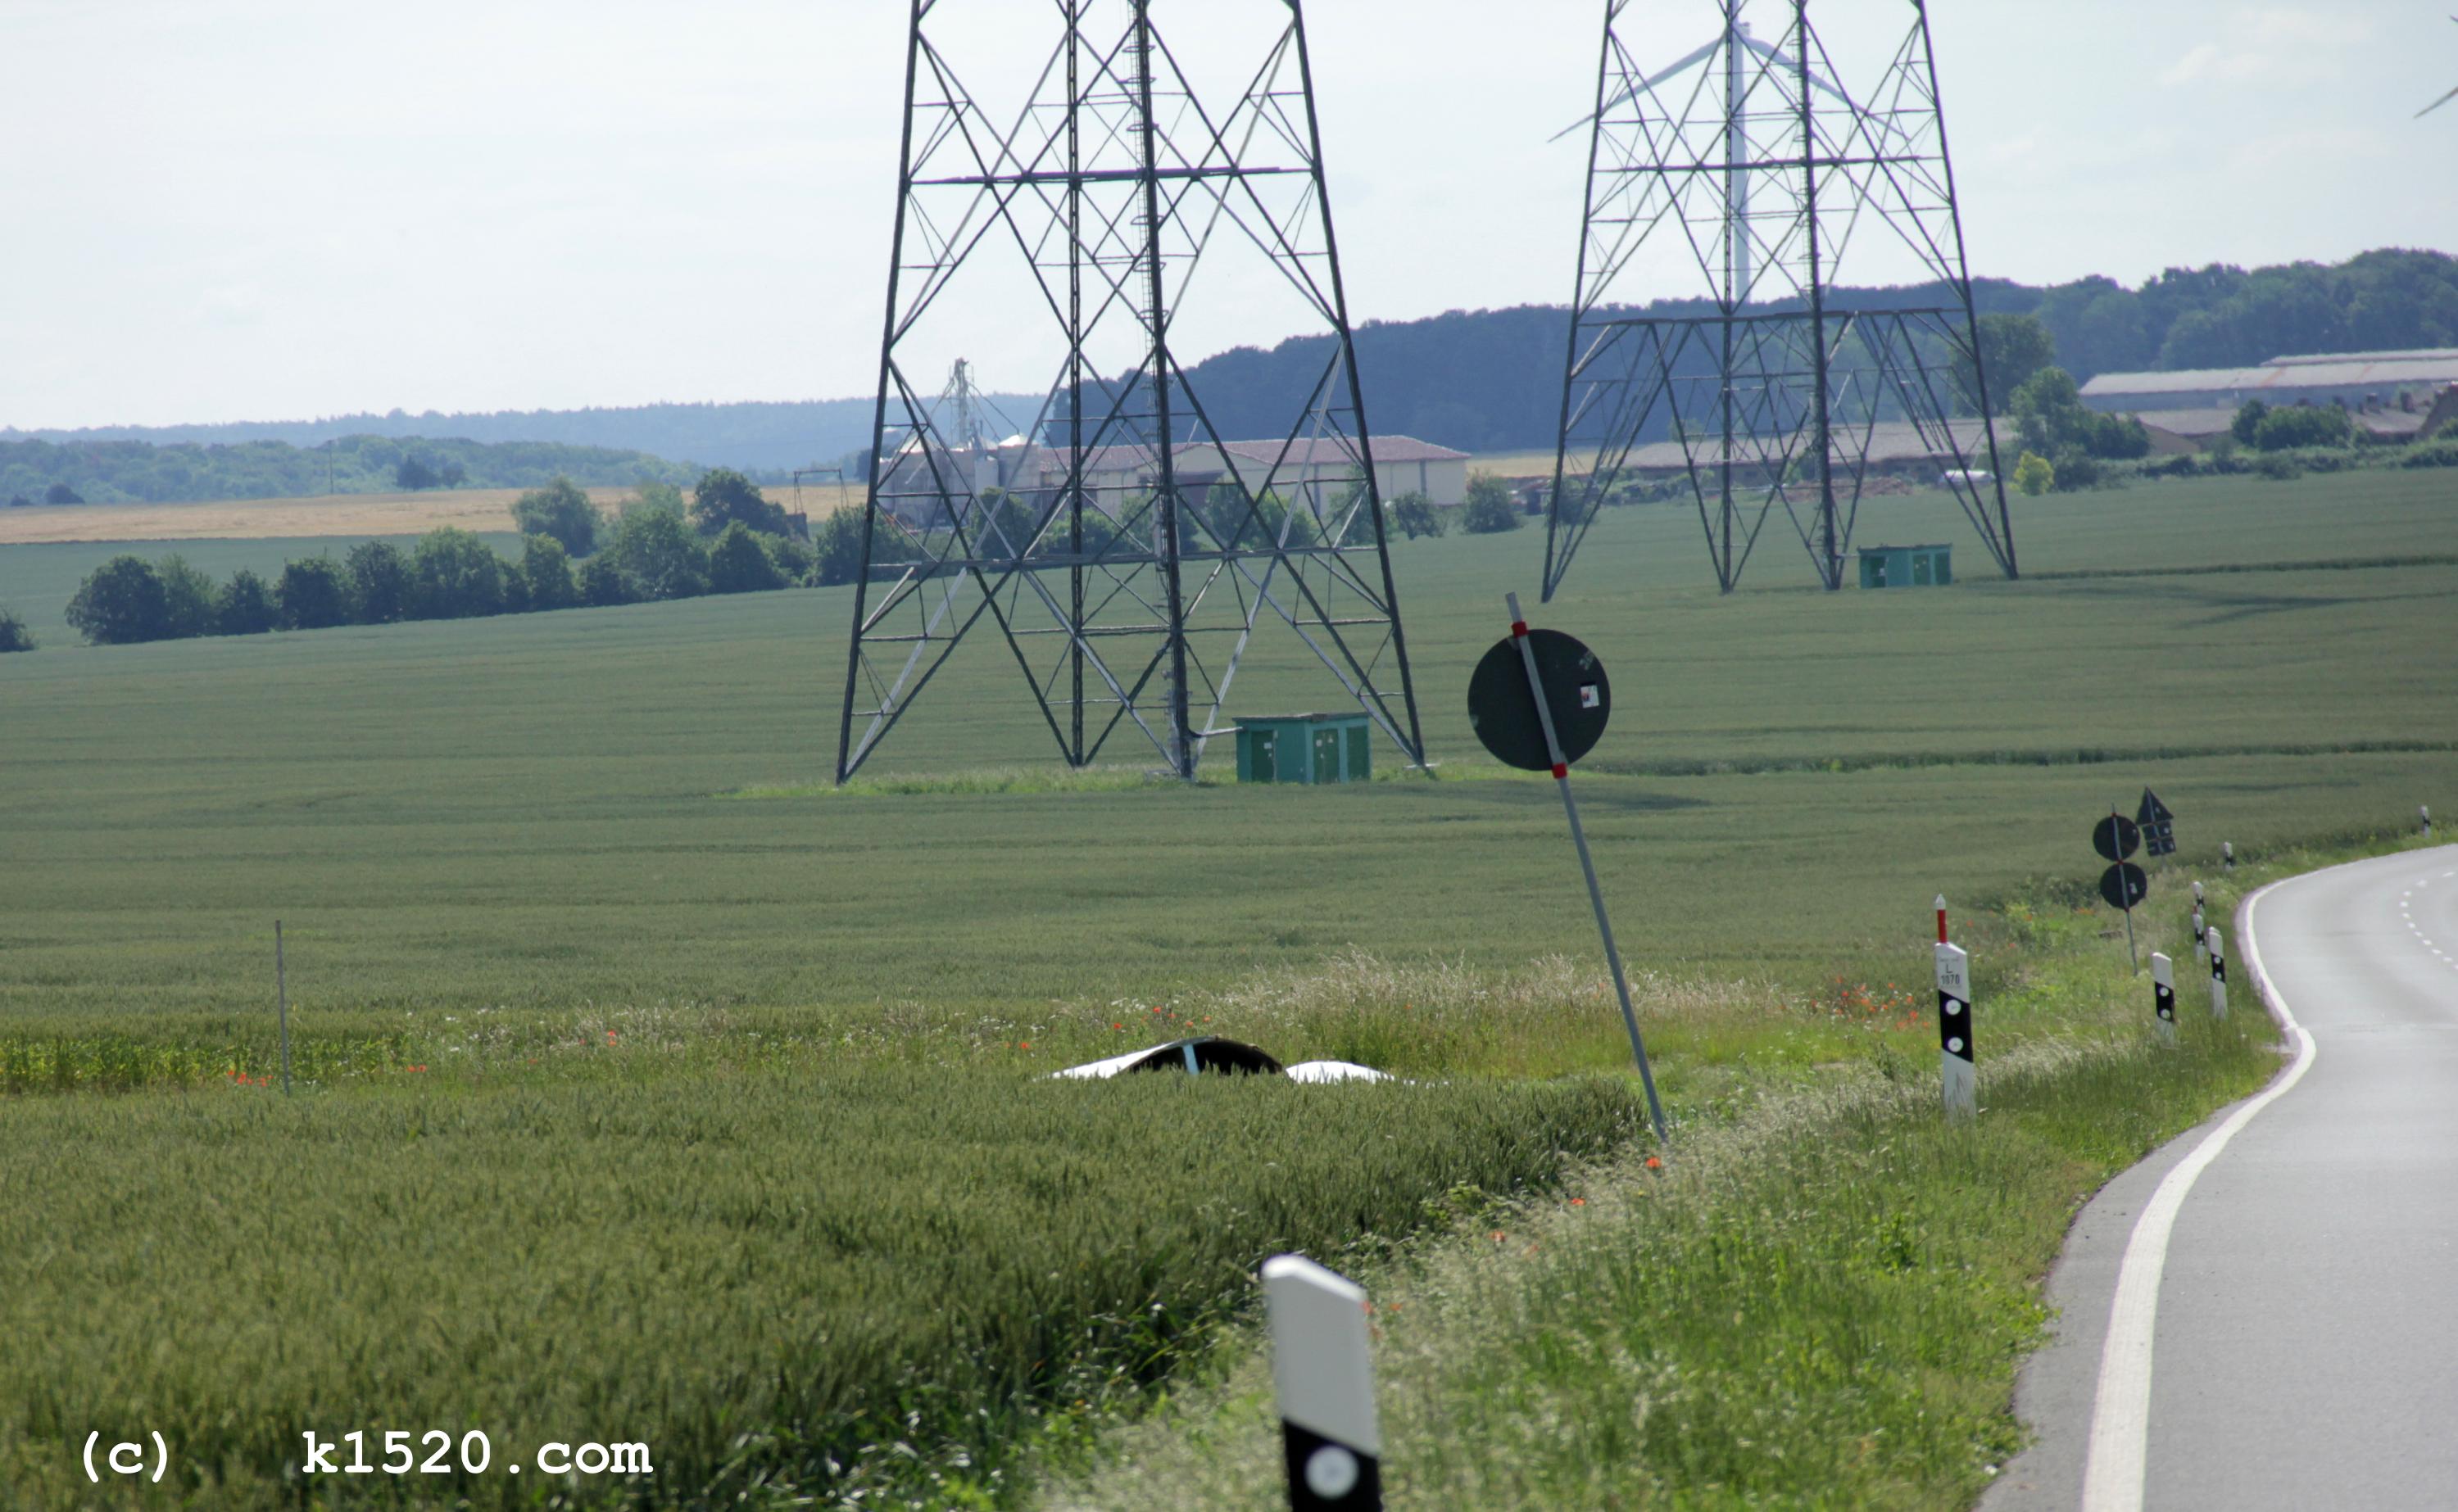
<point>2120,1424</point>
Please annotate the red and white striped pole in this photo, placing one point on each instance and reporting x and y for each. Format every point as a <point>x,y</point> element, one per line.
<point>1587,864</point>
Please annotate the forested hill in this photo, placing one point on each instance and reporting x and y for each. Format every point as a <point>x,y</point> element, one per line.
<point>755,437</point>
<point>94,471</point>
<point>1492,380</point>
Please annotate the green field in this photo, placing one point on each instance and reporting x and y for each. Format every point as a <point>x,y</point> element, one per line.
<point>547,963</point>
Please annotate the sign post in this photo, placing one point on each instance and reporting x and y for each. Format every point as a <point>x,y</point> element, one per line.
<point>2219,978</point>
<point>2124,884</point>
<point>1330,1439</point>
<point>1959,1077</point>
<point>282,1004</point>
<point>1571,709</point>
<point>2163,996</point>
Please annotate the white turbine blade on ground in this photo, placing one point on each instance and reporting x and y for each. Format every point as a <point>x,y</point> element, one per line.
<point>1695,58</point>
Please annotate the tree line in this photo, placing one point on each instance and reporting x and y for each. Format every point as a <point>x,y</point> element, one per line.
<point>138,472</point>
<point>728,538</point>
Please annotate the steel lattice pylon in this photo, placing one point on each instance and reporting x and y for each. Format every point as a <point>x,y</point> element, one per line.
<point>1748,171</point>
<point>1121,547</point>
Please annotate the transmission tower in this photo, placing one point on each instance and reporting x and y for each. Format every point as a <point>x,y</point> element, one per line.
<point>1075,186</point>
<point>1746,179</point>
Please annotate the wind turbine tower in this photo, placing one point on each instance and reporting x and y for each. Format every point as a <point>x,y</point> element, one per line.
<point>1734,187</point>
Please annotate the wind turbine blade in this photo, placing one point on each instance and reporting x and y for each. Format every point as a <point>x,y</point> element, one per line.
<point>2437,104</point>
<point>1774,54</point>
<point>1693,61</point>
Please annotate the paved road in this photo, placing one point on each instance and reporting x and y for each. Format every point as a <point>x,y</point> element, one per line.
<point>2304,1349</point>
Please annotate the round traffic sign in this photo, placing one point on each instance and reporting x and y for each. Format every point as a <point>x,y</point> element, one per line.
<point>2124,886</point>
<point>2116,837</point>
<point>1504,712</point>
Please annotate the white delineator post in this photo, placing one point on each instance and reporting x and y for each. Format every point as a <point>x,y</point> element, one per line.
<point>1587,864</point>
<point>2425,811</point>
<point>2201,938</point>
<point>1961,1078</point>
<point>2219,976</point>
<point>2163,995</point>
<point>2227,854</point>
<point>1325,1376</point>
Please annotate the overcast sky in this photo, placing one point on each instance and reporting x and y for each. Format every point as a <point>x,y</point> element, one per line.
<point>279,209</point>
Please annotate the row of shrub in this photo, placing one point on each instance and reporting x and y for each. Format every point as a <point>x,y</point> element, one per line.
<point>730,540</point>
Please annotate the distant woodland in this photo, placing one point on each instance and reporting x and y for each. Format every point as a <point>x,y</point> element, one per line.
<point>98,471</point>
<point>1480,380</point>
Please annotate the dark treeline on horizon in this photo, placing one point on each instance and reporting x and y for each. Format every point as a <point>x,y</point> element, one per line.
<point>1491,380</point>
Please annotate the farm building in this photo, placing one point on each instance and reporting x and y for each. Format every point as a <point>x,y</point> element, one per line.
<point>1894,446</point>
<point>2406,383</point>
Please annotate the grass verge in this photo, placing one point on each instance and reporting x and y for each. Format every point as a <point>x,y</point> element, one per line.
<point>1821,1300</point>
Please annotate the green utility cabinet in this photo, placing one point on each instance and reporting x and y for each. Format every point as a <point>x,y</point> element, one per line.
<point>1304,748</point>
<point>1906,565</point>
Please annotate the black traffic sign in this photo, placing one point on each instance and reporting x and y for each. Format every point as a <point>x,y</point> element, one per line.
<point>2124,886</point>
<point>1504,712</point>
<point>2116,837</point>
<point>2159,825</point>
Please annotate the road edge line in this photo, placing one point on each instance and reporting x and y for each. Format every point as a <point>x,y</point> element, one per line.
<point>2115,1462</point>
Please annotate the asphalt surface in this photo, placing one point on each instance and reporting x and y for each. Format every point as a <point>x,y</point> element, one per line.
<point>2304,1353</point>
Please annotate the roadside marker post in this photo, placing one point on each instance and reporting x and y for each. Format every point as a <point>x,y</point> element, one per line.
<point>282,1004</point>
<point>1500,724</point>
<point>2163,996</point>
<point>2227,854</point>
<point>2201,940</point>
<point>2219,978</point>
<point>1959,1077</point>
<point>1323,1374</point>
<point>2425,810</point>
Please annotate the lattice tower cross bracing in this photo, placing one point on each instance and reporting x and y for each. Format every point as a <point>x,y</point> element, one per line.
<point>1121,548</point>
<point>1743,180</point>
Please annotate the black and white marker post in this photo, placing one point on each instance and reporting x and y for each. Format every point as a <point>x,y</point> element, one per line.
<point>1324,1377</point>
<point>1959,1077</point>
<point>2163,995</point>
<point>2218,977</point>
<point>2425,810</point>
<point>2227,854</point>
<point>1497,741</point>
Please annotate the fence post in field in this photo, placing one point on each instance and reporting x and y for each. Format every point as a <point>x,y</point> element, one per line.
<point>1330,1439</point>
<point>2218,977</point>
<point>2163,995</point>
<point>1960,1078</point>
<point>282,1004</point>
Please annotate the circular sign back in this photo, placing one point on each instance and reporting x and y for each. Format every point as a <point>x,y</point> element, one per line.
<point>2116,837</point>
<point>2124,886</point>
<point>1504,712</point>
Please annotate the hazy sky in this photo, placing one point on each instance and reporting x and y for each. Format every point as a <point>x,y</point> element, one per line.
<point>272,208</point>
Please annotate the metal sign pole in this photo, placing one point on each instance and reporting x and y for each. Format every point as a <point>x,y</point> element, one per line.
<point>2117,822</point>
<point>282,999</point>
<point>1587,864</point>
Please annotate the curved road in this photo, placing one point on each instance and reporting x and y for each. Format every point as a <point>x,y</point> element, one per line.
<point>2296,1344</point>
